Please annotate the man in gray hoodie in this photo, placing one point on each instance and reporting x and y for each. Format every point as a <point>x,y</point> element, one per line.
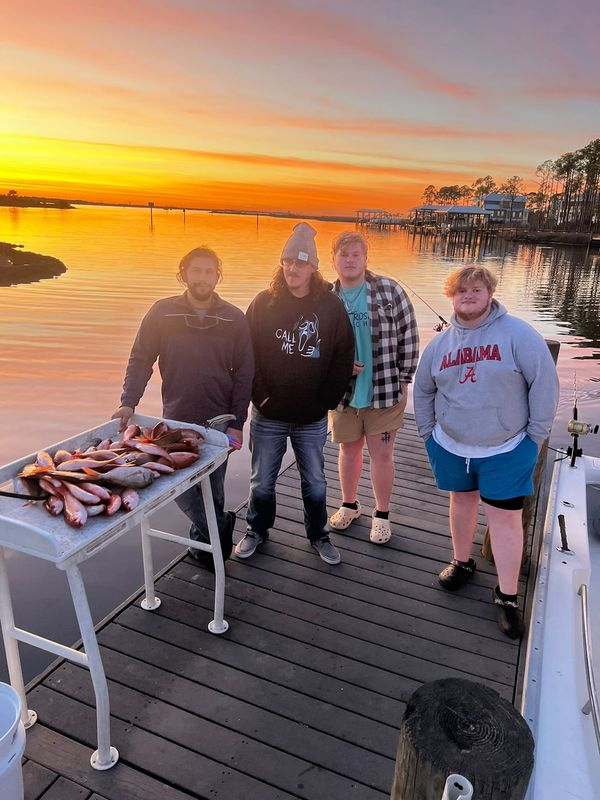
<point>485,397</point>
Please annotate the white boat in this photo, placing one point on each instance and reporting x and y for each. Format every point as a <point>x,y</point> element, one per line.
<point>560,701</point>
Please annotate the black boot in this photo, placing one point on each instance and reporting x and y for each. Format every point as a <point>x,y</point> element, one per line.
<point>510,619</point>
<point>456,574</point>
<point>204,559</point>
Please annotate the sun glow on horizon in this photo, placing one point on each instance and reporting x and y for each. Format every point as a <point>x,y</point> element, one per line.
<point>319,108</point>
<point>123,174</point>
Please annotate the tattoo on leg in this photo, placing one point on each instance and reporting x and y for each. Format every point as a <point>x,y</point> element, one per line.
<point>385,437</point>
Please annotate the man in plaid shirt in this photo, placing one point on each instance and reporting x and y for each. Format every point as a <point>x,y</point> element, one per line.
<point>372,409</point>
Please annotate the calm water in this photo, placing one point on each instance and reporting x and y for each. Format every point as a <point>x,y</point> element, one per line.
<point>65,342</point>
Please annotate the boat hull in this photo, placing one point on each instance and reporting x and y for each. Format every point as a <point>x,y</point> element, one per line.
<point>567,758</point>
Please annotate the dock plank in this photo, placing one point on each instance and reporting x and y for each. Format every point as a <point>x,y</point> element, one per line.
<point>259,693</point>
<point>71,758</point>
<point>243,654</point>
<point>192,754</point>
<point>64,789</point>
<point>183,711</point>
<point>365,621</point>
<point>304,695</point>
<point>37,779</point>
<point>401,580</point>
<point>180,768</point>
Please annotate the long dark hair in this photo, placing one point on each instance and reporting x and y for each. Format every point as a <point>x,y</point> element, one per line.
<point>278,288</point>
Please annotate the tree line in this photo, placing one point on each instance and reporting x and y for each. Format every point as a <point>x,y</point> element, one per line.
<point>475,193</point>
<point>12,198</point>
<point>567,198</point>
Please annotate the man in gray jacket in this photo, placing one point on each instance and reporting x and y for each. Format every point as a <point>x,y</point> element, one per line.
<point>486,392</point>
<point>206,363</point>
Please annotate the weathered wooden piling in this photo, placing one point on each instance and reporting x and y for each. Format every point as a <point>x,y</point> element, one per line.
<point>458,726</point>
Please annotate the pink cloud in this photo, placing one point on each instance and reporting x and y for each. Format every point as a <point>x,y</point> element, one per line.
<point>398,127</point>
<point>577,89</point>
<point>82,32</point>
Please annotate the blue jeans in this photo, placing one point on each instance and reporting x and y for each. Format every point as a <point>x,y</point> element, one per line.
<point>268,442</point>
<point>191,503</point>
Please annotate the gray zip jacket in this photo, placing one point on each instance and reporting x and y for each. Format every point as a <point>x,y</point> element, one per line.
<point>206,368</point>
<point>485,385</point>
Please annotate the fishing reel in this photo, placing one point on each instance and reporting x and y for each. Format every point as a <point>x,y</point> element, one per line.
<point>578,428</point>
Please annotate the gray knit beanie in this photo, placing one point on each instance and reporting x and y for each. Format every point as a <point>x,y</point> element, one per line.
<point>301,245</point>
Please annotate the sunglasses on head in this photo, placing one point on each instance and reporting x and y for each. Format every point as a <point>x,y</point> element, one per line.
<point>293,262</point>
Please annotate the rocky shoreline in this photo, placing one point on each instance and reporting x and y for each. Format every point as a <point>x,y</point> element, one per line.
<point>553,237</point>
<point>21,266</point>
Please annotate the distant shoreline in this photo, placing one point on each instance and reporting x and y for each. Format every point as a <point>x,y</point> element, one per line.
<point>228,211</point>
<point>52,202</point>
<point>8,201</point>
<point>542,237</point>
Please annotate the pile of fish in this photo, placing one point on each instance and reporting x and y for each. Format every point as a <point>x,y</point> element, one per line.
<point>105,476</point>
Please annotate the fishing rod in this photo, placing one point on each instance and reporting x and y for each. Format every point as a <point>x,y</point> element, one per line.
<point>20,496</point>
<point>577,428</point>
<point>442,322</point>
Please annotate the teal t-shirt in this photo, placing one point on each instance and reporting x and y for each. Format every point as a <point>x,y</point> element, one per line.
<point>356,303</point>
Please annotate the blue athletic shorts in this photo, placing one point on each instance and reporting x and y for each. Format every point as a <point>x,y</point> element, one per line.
<point>499,477</point>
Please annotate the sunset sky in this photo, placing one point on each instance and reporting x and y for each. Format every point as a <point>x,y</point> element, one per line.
<point>314,106</point>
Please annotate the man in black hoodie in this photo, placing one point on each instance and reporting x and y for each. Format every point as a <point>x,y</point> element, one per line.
<point>304,354</point>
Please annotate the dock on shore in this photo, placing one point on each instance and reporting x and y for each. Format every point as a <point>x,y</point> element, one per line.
<point>303,696</point>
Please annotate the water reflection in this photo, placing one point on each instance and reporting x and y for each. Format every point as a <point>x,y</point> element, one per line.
<point>65,342</point>
<point>565,280</point>
<point>572,294</point>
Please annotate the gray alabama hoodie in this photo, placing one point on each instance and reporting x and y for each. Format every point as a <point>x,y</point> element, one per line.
<point>485,385</point>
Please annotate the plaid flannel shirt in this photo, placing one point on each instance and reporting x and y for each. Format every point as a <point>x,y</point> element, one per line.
<point>395,340</point>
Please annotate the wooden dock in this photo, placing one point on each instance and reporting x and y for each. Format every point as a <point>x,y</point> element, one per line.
<point>304,695</point>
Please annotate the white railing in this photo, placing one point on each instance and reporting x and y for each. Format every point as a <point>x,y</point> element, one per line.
<point>592,704</point>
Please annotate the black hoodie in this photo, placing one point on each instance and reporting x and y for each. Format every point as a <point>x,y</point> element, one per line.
<point>304,354</point>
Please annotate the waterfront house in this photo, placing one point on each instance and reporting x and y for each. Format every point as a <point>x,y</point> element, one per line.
<point>448,218</point>
<point>365,215</point>
<point>506,209</point>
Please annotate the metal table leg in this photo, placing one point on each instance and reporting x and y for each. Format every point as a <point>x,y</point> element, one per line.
<point>151,602</point>
<point>105,756</point>
<point>218,624</point>
<point>11,646</point>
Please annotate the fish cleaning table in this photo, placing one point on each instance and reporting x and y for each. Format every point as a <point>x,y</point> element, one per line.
<point>30,529</point>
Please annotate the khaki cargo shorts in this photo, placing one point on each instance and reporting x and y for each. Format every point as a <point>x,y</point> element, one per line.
<point>352,423</point>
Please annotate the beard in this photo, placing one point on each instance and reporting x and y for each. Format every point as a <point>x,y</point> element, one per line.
<point>469,316</point>
<point>201,293</point>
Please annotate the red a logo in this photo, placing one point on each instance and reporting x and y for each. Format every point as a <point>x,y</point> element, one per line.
<point>469,375</point>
